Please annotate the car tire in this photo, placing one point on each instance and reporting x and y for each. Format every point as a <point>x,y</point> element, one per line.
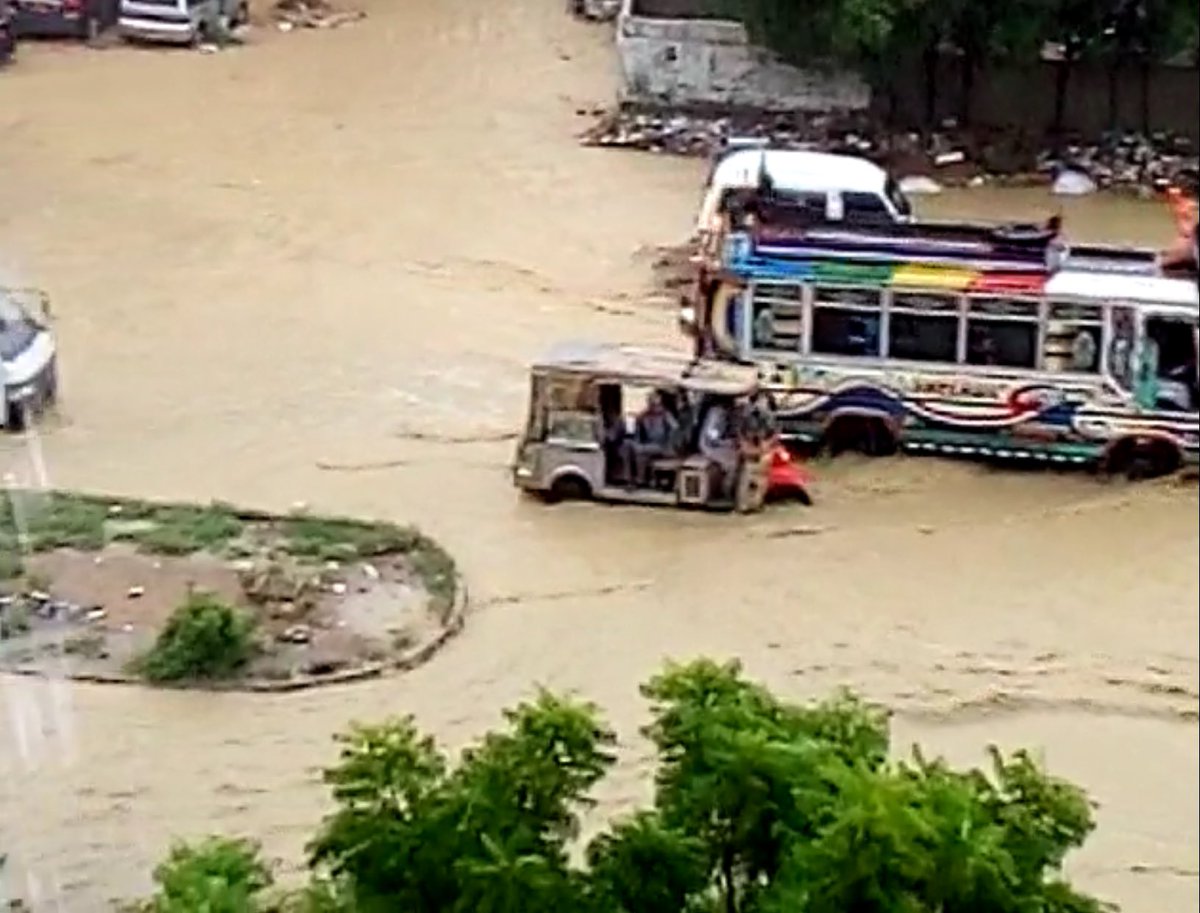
<point>18,417</point>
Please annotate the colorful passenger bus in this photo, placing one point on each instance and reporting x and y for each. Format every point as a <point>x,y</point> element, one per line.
<point>876,350</point>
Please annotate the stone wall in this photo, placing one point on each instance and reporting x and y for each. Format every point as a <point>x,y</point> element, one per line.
<point>702,61</point>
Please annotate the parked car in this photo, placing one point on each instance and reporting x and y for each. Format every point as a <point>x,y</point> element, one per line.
<point>8,34</point>
<point>85,19</point>
<point>180,21</point>
<point>28,357</point>
<point>841,187</point>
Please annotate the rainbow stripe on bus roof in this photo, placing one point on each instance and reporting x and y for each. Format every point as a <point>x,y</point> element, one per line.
<point>1065,283</point>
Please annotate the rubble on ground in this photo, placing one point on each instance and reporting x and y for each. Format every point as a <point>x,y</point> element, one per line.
<point>312,14</point>
<point>595,10</point>
<point>948,157</point>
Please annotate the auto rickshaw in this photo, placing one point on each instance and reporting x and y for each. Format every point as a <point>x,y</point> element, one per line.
<point>582,440</point>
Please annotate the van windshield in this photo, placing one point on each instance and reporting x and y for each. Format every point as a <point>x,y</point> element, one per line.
<point>17,331</point>
<point>897,197</point>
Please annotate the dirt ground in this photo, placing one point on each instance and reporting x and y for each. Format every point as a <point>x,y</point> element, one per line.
<point>91,614</point>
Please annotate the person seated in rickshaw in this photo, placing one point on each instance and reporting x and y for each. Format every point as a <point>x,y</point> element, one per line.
<point>655,437</point>
<point>718,443</point>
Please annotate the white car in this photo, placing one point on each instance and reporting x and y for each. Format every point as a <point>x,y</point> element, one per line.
<point>28,369</point>
<point>837,187</point>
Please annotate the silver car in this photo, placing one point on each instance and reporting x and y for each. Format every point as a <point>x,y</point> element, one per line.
<point>28,369</point>
<point>181,21</point>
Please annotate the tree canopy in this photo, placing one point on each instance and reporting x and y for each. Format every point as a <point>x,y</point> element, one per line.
<point>760,806</point>
<point>878,36</point>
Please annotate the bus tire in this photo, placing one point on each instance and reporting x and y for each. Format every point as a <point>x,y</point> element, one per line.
<point>869,435</point>
<point>569,487</point>
<point>1142,458</point>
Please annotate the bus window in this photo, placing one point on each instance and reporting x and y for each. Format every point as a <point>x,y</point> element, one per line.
<point>1120,349</point>
<point>1175,340</point>
<point>845,321</point>
<point>923,327</point>
<point>778,323</point>
<point>1002,332</point>
<point>1073,338</point>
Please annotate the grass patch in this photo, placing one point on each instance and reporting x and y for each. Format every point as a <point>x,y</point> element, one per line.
<point>336,539</point>
<point>11,565</point>
<point>57,519</point>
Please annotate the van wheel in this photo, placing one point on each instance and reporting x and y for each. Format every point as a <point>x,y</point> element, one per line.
<point>18,416</point>
<point>867,435</point>
<point>569,488</point>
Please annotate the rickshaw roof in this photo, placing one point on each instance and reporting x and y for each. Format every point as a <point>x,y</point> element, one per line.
<point>620,362</point>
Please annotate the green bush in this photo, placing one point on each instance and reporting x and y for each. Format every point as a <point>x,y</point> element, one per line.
<point>203,639</point>
<point>217,875</point>
<point>760,806</point>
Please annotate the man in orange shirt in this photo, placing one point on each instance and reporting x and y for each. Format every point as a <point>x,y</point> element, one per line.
<point>1183,253</point>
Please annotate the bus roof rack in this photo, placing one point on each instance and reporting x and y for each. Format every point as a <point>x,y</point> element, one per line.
<point>1011,247</point>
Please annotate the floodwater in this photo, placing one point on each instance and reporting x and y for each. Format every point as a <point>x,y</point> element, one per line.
<point>312,269</point>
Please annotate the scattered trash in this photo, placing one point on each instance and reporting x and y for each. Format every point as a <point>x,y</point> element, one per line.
<point>1142,163</point>
<point>1073,184</point>
<point>136,592</point>
<point>312,14</point>
<point>296,634</point>
<point>595,10</point>
<point>918,185</point>
<point>950,158</point>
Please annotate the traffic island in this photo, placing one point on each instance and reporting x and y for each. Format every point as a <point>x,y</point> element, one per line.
<point>182,595</point>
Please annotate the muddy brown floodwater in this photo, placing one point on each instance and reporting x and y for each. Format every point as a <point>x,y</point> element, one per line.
<point>281,265</point>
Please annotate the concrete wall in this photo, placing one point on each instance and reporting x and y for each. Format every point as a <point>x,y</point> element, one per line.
<point>707,61</point>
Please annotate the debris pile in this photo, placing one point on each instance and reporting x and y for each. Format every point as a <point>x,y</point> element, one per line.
<point>953,156</point>
<point>312,14</point>
<point>595,10</point>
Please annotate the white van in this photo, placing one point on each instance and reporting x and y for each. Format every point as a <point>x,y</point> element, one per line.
<point>840,187</point>
<point>181,21</point>
<point>28,371</point>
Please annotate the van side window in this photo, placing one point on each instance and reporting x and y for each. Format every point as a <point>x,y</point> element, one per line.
<point>865,207</point>
<point>795,204</point>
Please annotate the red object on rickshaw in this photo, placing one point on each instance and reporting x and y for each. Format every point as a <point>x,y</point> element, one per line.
<point>785,477</point>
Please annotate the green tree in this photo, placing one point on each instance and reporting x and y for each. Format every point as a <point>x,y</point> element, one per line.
<point>488,836</point>
<point>760,806</point>
<point>1140,34</point>
<point>820,32</point>
<point>1078,28</point>
<point>987,31</point>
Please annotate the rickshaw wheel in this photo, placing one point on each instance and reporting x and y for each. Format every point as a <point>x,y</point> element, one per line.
<point>570,487</point>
